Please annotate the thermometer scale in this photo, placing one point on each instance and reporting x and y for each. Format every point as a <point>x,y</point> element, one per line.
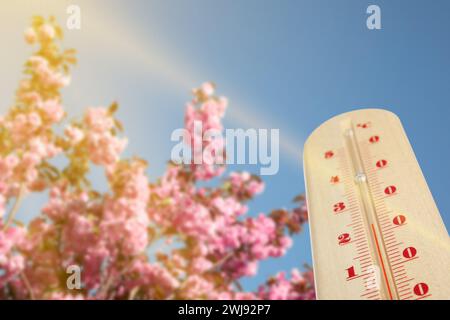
<point>376,232</point>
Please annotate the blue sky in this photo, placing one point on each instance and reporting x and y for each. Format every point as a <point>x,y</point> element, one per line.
<point>283,64</point>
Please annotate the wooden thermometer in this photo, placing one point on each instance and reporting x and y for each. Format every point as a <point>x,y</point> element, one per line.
<point>376,232</point>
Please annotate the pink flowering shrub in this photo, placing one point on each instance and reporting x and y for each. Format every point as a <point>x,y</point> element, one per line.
<point>165,240</point>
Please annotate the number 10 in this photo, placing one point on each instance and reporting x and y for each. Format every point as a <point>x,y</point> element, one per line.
<point>351,272</point>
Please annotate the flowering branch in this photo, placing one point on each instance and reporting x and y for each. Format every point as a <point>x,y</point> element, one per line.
<point>211,242</point>
<point>15,207</point>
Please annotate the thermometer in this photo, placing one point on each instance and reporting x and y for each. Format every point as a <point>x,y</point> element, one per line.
<point>376,232</point>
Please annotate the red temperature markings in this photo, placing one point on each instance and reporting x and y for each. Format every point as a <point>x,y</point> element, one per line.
<point>381,261</point>
<point>358,234</point>
<point>374,139</point>
<point>344,238</point>
<point>339,207</point>
<point>391,190</point>
<point>421,290</point>
<point>329,154</point>
<point>364,125</point>
<point>381,163</point>
<point>387,226</point>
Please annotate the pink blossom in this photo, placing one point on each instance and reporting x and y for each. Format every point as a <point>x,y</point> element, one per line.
<point>152,277</point>
<point>104,148</point>
<point>23,126</point>
<point>65,296</point>
<point>230,207</point>
<point>2,205</point>
<point>11,262</point>
<point>47,32</point>
<point>197,287</point>
<point>30,36</point>
<point>49,77</point>
<point>207,88</point>
<point>98,119</point>
<point>191,219</point>
<point>52,110</point>
<point>200,265</point>
<point>208,111</point>
<point>74,134</point>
